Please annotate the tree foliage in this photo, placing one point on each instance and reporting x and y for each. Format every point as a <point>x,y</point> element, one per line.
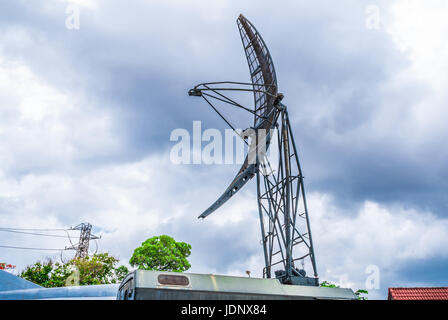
<point>99,268</point>
<point>359,293</point>
<point>162,253</point>
<point>96,269</point>
<point>327,284</point>
<point>47,274</point>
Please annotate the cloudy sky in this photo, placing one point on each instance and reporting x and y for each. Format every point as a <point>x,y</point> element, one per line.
<point>86,117</point>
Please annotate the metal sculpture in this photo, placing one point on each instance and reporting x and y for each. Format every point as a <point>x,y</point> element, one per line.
<point>283,213</point>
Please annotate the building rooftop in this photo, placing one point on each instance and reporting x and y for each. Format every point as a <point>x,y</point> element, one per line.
<point>429,293</point>
<point>9,281</point>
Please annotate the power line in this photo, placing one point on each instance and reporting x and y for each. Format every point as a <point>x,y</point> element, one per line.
<point>81,247</point>
<point>27,248</point>
<point>36,229</point>
<point>32,233</point>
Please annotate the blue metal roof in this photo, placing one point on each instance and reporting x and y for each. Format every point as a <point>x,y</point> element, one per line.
<point>97,292</point>
<point>9,282</point>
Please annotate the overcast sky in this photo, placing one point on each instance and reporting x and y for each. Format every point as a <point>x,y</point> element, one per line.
<point>86,115</point>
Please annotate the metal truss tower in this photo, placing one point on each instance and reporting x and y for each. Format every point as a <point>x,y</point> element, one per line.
<point>82,247</point>
<point>283,212</point>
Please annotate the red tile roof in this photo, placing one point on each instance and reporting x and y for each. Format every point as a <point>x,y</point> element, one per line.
<point>435,293</point>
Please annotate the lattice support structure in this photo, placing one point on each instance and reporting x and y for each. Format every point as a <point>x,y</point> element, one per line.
<point>283,213</point>
<point>82,247</point>
<point>284,221</point>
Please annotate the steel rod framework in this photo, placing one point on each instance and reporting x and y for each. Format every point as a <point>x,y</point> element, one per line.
<point>82,247</point>
<point>283,212</point>
<point>281,202</point>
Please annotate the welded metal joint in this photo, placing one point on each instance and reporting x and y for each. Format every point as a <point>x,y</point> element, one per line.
<point>194,92</point>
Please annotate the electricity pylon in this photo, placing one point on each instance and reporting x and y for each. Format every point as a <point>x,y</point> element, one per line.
<point>82,247</point>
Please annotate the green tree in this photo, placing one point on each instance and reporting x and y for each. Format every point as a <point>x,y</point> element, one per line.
<point>359,293</point>
<point>121,272</point>
<point>327,284</point>
<point>47,273</point>
<point>96,269</point>
<point>162,253</point>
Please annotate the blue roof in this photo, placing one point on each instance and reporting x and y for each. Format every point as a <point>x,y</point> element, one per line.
<point>10,282</point>
<point>97,292</point>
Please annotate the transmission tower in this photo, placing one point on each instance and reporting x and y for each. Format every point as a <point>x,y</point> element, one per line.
<point>82,247</point>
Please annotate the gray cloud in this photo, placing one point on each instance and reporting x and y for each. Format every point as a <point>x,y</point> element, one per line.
<point>103,100</point>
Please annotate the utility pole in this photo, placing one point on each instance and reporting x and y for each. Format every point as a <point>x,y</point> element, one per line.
<point>82,248</point>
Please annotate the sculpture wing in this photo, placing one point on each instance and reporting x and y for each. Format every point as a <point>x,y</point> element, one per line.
<point>264,82</point>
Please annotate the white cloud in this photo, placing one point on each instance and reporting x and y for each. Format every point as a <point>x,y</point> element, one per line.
<point>47,134</point>
<point>418,30</point>
<point>386,236</point>
<point>90,4</point>
<point>44,128</point>
<point>131,202</point>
